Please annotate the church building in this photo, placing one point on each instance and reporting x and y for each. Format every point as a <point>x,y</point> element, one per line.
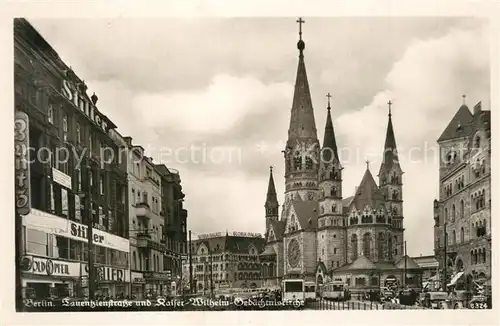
<point>322,235</point>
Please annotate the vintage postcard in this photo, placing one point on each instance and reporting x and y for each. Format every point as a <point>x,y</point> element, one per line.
<point>253,163</point>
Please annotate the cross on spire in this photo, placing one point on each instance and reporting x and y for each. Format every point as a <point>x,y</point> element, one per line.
<point>367,164</point>
<point>300,21</point>
<point>271,168</point>
<point>329,97</point>
<point>464,97</point>
<point>390,106</point>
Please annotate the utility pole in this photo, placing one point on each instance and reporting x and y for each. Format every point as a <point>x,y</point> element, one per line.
<point>404,279</point>
<point>190,266</point>
<point>445,260</point>
<point>90,226</point>
<point>211,275</point>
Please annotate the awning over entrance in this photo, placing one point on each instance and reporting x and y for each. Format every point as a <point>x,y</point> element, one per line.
<point>455,278</point>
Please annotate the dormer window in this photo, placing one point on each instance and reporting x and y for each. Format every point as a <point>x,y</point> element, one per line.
<point>450,157</point>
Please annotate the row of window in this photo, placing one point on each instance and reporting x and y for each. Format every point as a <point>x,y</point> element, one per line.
<point>478,229</point>
<point>478,256</point>
<point>70,206</point>
<point>478,200</point>
<point>49,245</point>
<point>384,246</point>
<point>226,257</point>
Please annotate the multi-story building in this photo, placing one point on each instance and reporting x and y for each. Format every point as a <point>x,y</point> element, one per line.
<point>225,261</point>
<point>462,215</point>
<point>175,219</point>
<point>73,174</point>
<point>147,236</point>
<point>157,222</point>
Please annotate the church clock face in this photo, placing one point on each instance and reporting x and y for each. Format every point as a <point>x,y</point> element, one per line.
<point>293,253</point>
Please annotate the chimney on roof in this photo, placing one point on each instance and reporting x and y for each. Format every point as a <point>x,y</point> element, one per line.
<point>128,140</point>
<point>355,190</point>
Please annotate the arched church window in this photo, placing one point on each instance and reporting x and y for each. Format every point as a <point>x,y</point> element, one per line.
<point>333,191</point>
<point>297,161</point>
<point>381,246</point>
<point>389,247</point>
<point>322,210</point>
<point>354,247</point>
<point>334,208</point>
<point>309,163</point>
<point>367,245</point>
<point>395,195</point>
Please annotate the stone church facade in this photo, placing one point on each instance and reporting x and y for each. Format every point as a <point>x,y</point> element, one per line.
<point>322,235</point>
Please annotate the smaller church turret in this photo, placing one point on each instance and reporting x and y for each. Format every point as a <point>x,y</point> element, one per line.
<point>391,183</point>
<point>330,220</point>
<point>271,204</point>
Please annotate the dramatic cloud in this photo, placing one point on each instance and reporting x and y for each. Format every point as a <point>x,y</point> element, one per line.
<point>217,93</point>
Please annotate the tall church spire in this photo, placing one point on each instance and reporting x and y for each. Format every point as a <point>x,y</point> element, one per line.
<point>271,189</point>
<point>329,143</point>
<point>302,124</point>
<point>390,155</point>
<point>271,204</point>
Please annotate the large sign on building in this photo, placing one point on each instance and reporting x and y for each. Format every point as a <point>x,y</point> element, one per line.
<point>80,100</point>
<point>22,173</point>
<point>49,267</point>
<point>52,224</point>
<point>108,273</point>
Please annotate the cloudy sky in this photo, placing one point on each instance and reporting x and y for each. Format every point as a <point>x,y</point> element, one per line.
<point>212,98</point>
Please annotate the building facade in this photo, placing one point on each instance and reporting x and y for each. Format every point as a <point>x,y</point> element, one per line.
<point>224,261</point>
<point>175,220</point>
<point>322,235</point>
<point>73,176</point>
<point>462,214</point>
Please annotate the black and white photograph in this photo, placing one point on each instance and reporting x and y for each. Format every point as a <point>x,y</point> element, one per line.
<point>272,163</point>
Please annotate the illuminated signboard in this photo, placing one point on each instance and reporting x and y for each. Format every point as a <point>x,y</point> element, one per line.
<point>22,167</point>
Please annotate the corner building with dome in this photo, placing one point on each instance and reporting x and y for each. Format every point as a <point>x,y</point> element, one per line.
<point>323,235</point>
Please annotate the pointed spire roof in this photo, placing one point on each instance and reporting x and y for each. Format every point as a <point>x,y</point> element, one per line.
<point>302,123</point>
<point>390,155</point>
<point>459,126</point>
<point>368,193</point>
<point>329,138</point>
<point>271,189</point>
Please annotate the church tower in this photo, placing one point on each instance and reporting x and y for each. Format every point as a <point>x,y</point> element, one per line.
<point>302,147</point>
<point>271,204</point>
<point>331,225</point>
<point>391,183</point>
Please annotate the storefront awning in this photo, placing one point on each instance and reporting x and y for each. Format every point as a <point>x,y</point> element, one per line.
<point>455,278</point>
